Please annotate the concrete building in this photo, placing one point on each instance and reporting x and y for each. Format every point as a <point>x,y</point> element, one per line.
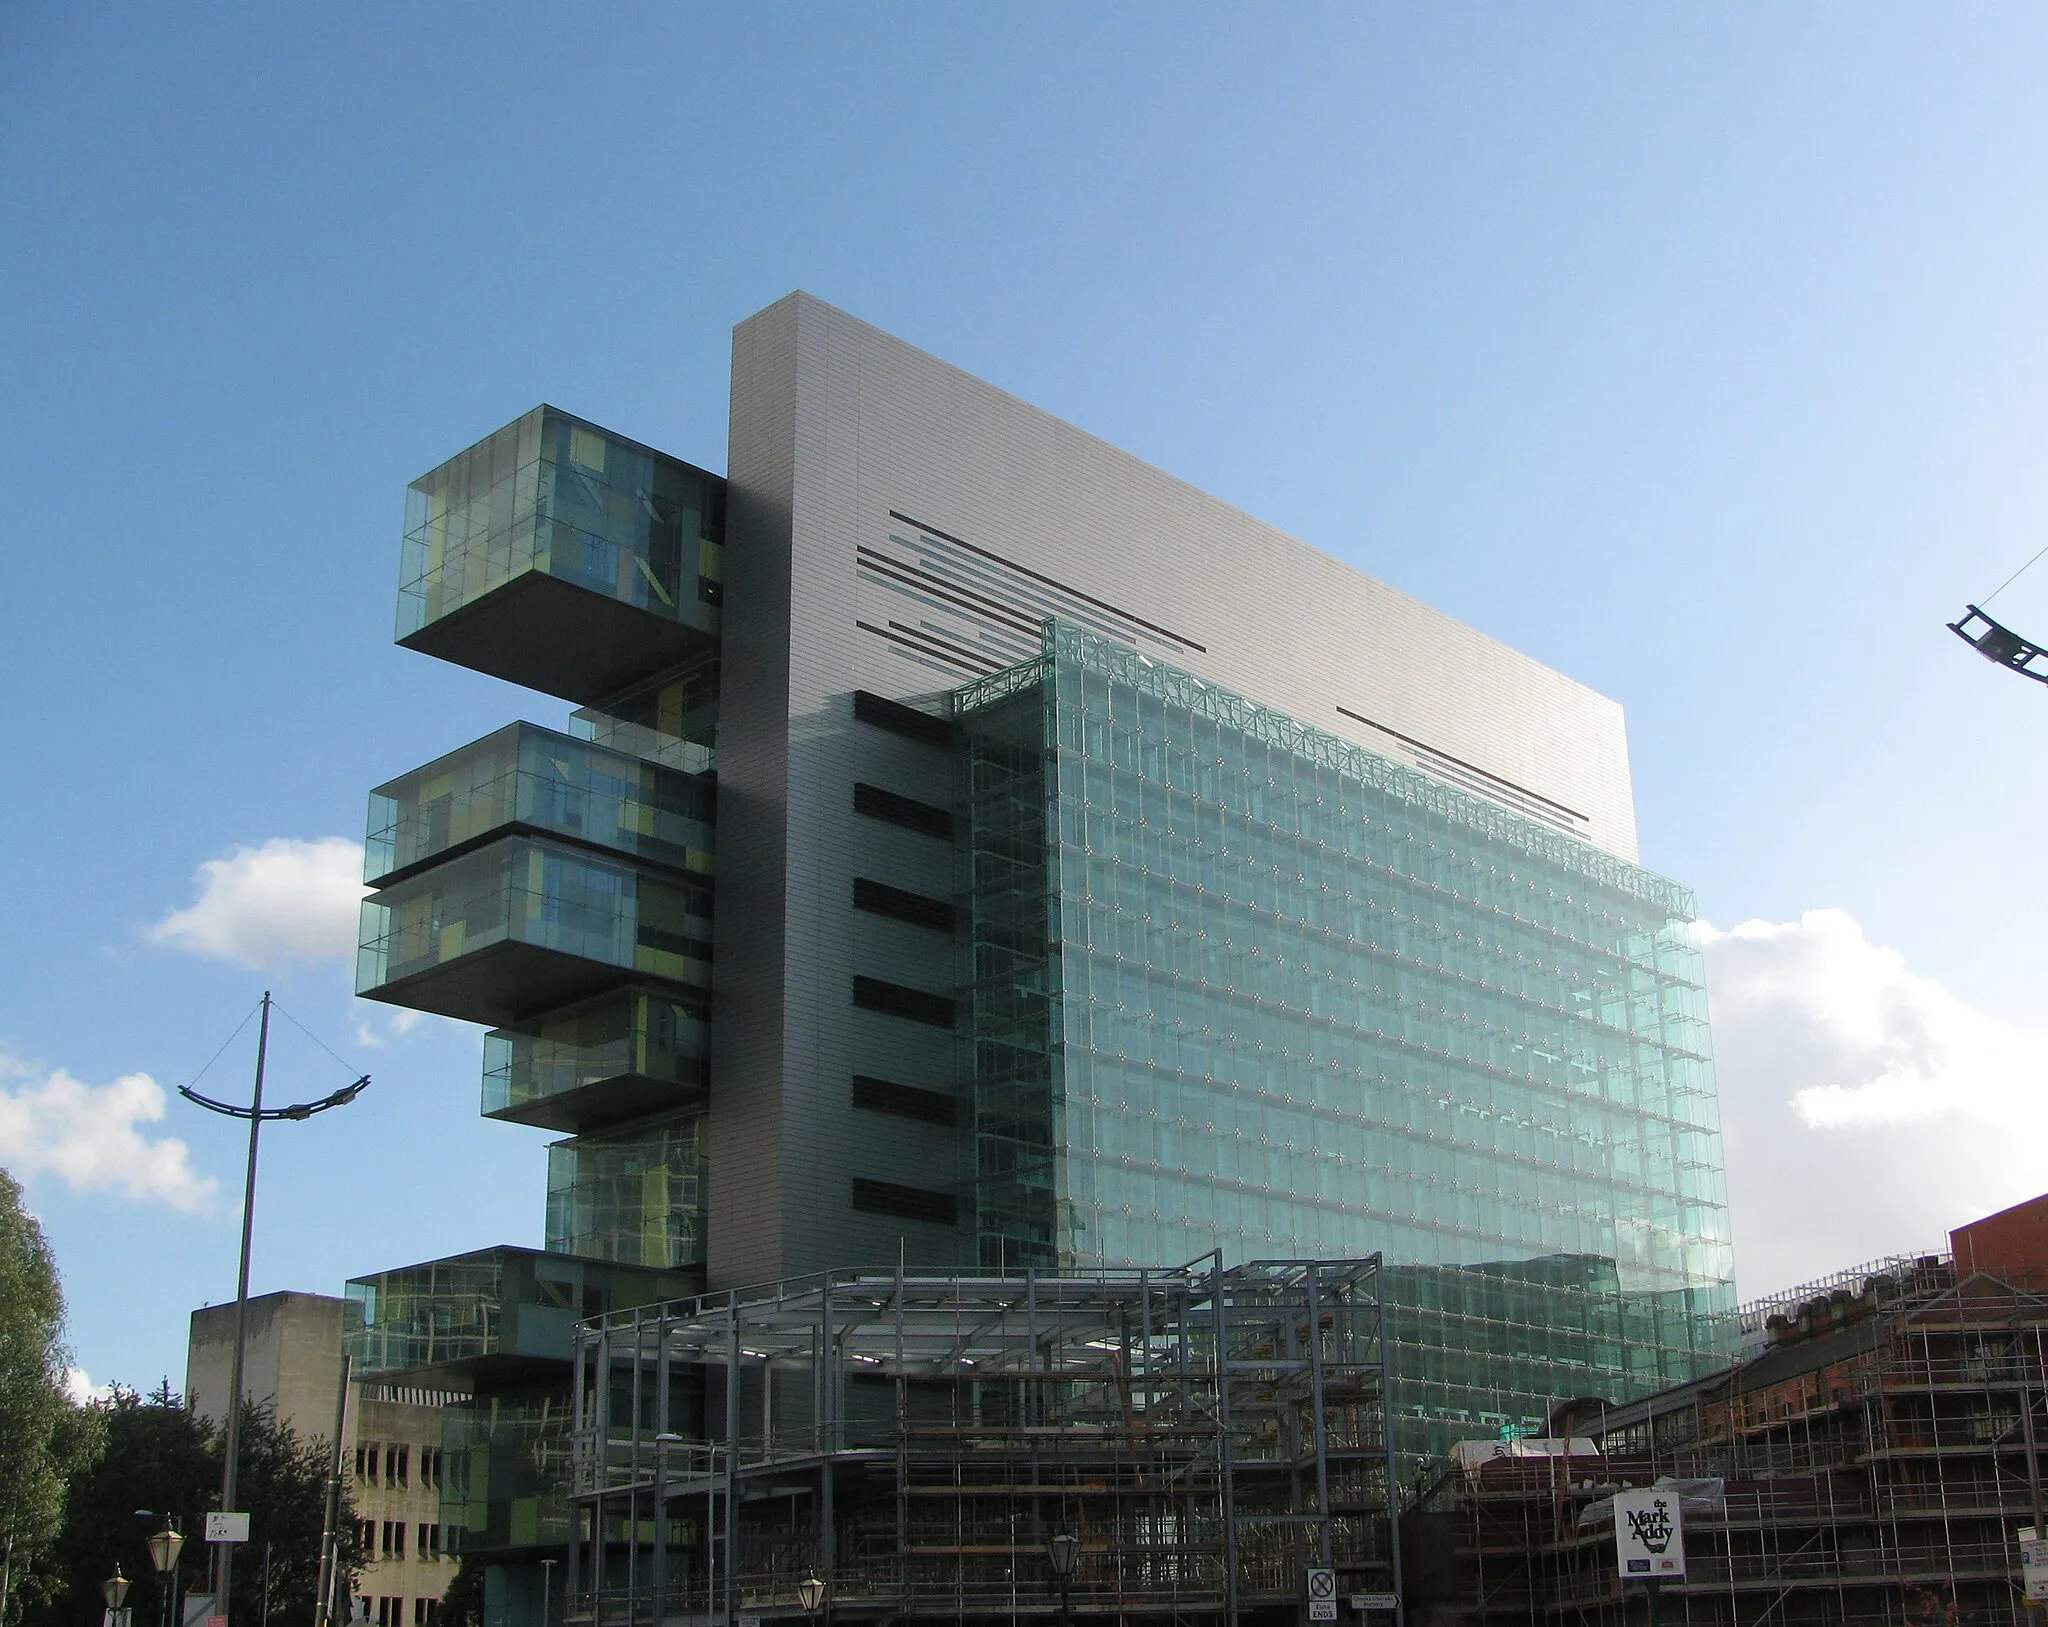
<point>292,1360</point>
<point>976,850</point>
<point>391,1438</point>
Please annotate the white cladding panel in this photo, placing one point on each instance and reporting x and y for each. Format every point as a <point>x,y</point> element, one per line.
<point>895,436</point>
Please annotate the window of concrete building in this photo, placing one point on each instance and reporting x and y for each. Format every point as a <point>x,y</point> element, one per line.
<point>404,1465</point>
<point>367,1535</point>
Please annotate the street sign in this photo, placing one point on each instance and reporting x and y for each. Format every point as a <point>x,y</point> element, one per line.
<point>2034,1570</point>
<point>1649,1536</point>
<point>1322,1594</point>
<point>227,1528</point>
<point>1362,1602</point>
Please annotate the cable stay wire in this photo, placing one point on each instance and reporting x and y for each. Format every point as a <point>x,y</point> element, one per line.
<point>277,1006</point>
<point>224,1044</point>
<point>2016,575</point>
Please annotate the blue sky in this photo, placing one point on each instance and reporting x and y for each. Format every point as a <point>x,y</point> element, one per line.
<point>1698,351</point>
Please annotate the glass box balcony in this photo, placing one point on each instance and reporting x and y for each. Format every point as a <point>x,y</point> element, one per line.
<point>506,1471</point>
<point>671,720</point>
<point>634,1195</point>
<point>561,556</point>
<point>618,1057</point>
<point>497,1317</point>
<point>523,926</point>
<point>530,778</point>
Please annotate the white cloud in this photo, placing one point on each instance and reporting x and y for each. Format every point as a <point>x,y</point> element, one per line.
<point>262,906</point>
<point>397,1021</point>
<point>80,1390</point>
<point>88,1137</point>
<point>1867,1109</point>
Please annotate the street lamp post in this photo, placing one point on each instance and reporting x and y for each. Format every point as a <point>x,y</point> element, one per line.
<point>1063,1548</point>
<point>163,1554</point>
<point>664,1443</point>
<point>256,1114</point>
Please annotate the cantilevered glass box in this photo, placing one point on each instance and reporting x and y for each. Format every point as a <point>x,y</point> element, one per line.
<point>618,1057</point>
<point>563,557</point>
<point>526,778</point>
<point>522,926</point>
<point>634,1195</point>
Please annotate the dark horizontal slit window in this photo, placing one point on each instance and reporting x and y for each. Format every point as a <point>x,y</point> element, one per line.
<point>904,1101</point>
<point>872,994</point>
<point>908,812</point>
<point>905,1202</point>
<point>898,905</point>
<point>897,718</point>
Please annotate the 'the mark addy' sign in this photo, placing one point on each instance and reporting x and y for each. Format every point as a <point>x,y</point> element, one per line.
<point>1649,1535</point>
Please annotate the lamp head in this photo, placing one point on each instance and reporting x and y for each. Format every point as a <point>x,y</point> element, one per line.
<point>115,1589</point>
<point>811,1592</point>
<point>164,1548</point>
<point>1063,1548</point>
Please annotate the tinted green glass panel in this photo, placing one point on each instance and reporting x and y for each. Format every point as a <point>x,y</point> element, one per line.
<point>671,720</point>
<point>1242,983</point>
<point>538,894</point>
<point>497,1302</point>
<point>525,775</point>
<point>634,1034</point>
<point>633,1195</point>
<point>505,1468</point>
<point>553,494</point>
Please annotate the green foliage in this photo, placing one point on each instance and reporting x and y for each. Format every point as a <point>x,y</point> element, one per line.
<point>34,1414</point>
<point>154,1454</point>
<point>463,1604</point>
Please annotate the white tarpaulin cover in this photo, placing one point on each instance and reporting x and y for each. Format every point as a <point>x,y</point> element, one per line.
<point>1470,1454</point>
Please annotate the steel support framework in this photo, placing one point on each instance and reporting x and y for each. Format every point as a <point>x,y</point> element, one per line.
<point>913,1441</point>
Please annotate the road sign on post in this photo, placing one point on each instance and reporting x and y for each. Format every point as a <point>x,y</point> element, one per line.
<point>1322,1594</point>
<point>1362,1602</point>
<point>227,1528</point>
<point>1649,1536</point>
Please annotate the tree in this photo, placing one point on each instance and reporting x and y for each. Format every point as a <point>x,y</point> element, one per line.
<point>33,1408</point>
<point>463,1604</point>
<point>157,1455</point>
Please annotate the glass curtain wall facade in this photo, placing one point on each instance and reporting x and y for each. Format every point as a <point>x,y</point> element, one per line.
<point>1239,982</point>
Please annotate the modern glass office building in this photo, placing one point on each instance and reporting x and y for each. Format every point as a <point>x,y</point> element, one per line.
<point>1241,983</point>
<point>969,847</point>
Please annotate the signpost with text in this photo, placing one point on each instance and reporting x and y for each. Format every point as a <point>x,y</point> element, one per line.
<point>1649,1541</point>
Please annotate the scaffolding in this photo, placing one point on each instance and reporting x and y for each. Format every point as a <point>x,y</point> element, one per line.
<point>1875,1465</point>
<point>913,1442</point>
